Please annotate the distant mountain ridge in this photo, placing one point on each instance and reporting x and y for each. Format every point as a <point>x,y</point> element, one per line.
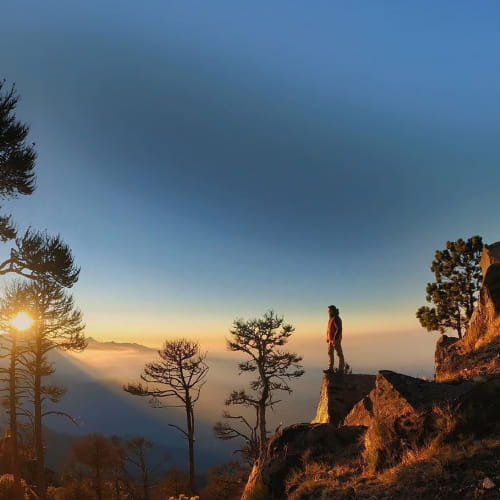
<point>92,343</point>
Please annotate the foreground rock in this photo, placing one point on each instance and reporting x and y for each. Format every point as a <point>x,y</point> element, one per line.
<point>339,393</point>
<point>400,414</point>
<point>290,447</point>
<point>396,395</point>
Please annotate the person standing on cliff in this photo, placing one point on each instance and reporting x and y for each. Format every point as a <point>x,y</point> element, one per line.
<point>334,339</point>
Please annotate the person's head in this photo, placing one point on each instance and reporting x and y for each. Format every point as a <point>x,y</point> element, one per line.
<point>333,311</point>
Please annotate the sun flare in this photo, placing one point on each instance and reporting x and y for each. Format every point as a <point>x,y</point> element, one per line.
<point>21,321</point>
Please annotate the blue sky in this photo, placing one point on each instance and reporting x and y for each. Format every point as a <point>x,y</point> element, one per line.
<point>213,160</point>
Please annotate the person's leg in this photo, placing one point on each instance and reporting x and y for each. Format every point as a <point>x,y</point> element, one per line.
<point>331,351</point>
<point>340,354</point>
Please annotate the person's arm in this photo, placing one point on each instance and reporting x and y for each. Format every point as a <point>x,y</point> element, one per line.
<point>338,333</point>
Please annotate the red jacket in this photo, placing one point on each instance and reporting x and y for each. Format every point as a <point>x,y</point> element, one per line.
<point>334,330</point>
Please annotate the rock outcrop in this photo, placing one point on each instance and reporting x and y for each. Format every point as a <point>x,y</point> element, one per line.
<point>400,413</point>
<point>339,393</point>
<point>478,352</point>
<point>399,396</point>
<point>291,446</point>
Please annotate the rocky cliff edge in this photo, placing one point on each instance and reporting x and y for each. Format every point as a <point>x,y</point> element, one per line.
<point>392,436</point>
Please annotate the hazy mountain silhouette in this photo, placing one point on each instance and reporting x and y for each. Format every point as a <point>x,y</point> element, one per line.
<point>100,405</point>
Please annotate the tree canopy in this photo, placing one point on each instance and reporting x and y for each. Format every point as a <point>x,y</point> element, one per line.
<point>17,158</point>
<point>455,291</point>
<point>33,254</point>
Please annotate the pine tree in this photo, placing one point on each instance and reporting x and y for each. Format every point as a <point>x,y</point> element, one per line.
<point>33,254</point>
<point>260,340</point>
<point>456,289</point>
<point>178,376</point>
<point>57,325</point>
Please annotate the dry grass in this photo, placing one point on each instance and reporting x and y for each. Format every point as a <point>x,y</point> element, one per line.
<point>446,456</point>
<point>433,471</point>
<point>317,479</point>
<point>479,358</point>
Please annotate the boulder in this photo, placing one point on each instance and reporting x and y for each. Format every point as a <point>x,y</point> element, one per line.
<point>401,392</point>
<point>396,395</point>
<point>339,394</point>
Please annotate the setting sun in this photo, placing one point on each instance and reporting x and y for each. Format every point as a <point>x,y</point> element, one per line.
<point>21,321</point>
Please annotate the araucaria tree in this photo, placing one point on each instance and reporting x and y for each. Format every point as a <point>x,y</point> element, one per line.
<point>178,376</point>
<point>33,254</point>
<point>456,289</point>
<point>260,340</point>
<point>57,325</point>
<point>17,158</point>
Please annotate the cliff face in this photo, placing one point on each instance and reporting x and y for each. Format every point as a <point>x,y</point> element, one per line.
<point>367,424</point>
<point>339,393</point>
<point>478,352</point>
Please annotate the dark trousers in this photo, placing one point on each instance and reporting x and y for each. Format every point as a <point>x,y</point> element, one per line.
<point>332,347</point>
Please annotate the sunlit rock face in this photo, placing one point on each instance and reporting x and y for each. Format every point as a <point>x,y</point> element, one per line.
<point>478,352</point>
<point>339,393</point>
<point>396,395</point>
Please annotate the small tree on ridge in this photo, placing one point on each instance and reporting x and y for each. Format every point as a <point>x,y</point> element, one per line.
<point>455,291</point>
<point>260,340</point>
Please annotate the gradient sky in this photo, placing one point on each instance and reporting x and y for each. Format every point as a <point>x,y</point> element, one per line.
<point>213,160</point>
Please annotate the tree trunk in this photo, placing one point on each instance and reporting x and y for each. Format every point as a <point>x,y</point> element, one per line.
<point>459,326</point>
<point>14,448</point>
<point>145,478</point>
<point>262,412</point>
<point>41,488</point>
<point>262,428</point>
<point>190,437</point>
<point>98,478</point>
<point>98,484</point>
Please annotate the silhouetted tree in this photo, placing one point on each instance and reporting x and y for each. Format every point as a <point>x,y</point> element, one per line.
<point>11,376</point>
<point>33,254</point>
<point>260,340</point>
<point>179,376</point>
<point>136,453</point>
<point>225,482</point>
<point>174,484</point>
<point>17,158</point>
<point>455,291</point>
<point>96,458</point>
<point>57,324</point>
